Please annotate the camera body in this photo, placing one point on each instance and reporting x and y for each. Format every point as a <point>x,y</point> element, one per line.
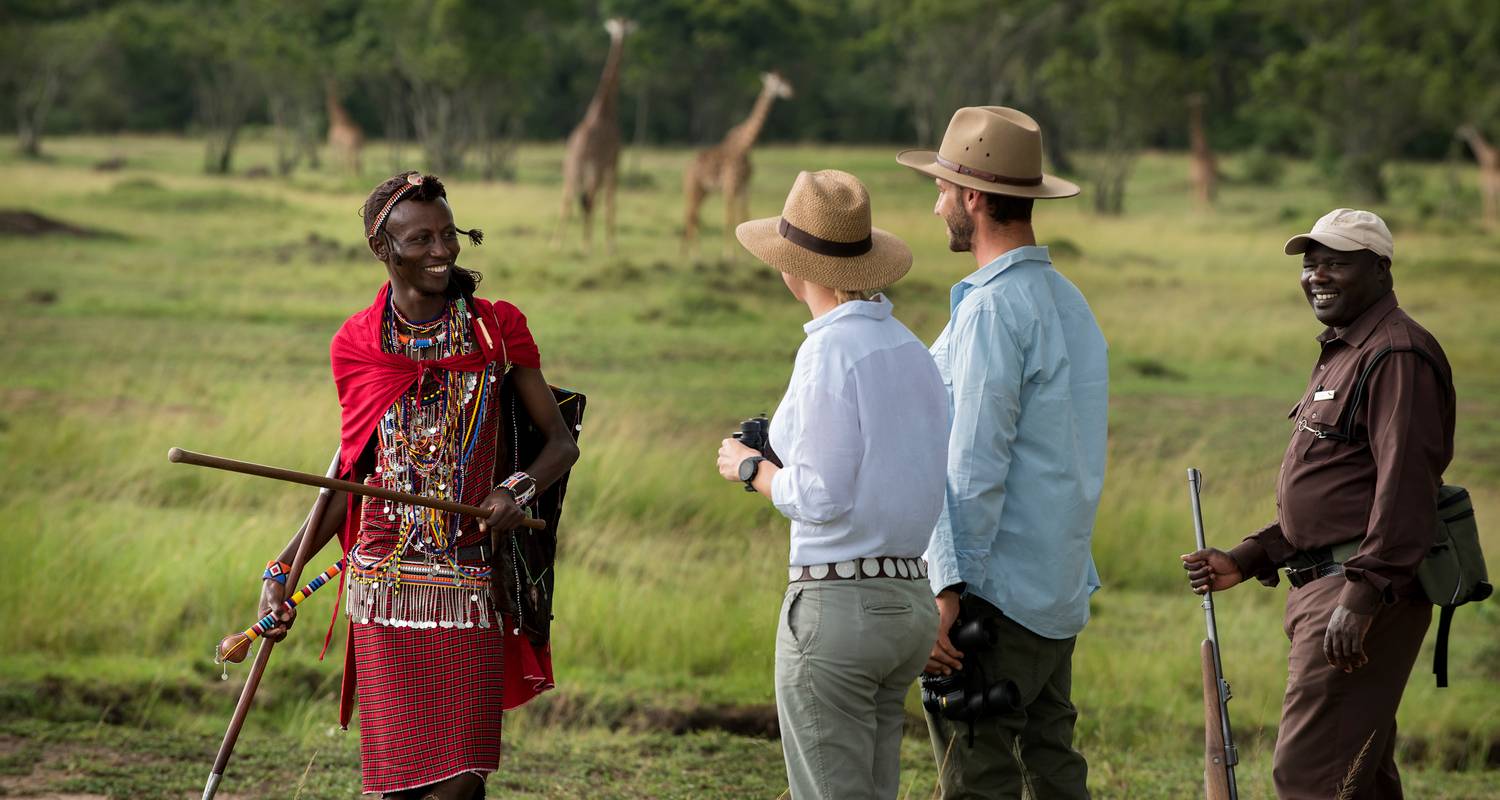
<point>968,695</point>
<point>755,433</point>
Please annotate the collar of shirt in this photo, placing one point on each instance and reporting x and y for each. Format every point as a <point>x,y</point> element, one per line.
<point>992,270</point>
<point>1365,324</point>
<point>877,307</point>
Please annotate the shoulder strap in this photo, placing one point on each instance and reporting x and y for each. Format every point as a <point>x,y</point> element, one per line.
<point>1347,432</point>
<point>1440,646</point>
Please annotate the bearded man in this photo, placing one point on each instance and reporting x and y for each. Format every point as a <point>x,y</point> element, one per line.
<point>1026,368</point>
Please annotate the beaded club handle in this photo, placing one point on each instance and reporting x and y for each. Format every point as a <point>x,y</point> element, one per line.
<point>235,646</point>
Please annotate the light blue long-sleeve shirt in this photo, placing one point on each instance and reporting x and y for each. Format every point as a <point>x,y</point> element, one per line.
<point>1027,373</point>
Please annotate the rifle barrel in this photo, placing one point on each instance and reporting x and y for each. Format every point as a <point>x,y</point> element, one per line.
<point>177,455</point>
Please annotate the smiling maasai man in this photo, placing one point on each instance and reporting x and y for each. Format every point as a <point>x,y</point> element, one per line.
<point>419,375</point>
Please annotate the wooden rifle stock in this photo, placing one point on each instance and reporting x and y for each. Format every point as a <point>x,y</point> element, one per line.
<point>1216,773</point>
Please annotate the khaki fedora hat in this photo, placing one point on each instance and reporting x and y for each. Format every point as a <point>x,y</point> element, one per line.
<point>824,235</point>
<point>992,149</point>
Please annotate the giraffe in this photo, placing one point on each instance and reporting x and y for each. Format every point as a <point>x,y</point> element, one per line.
<point>592,160</point>
<point>726,167</point>
<point>1202,168</point>
<point>345,139</point>
<point>1489,172</point>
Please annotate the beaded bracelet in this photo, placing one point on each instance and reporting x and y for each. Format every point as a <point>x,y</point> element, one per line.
<point>524,495</point>
<point>276,571</point>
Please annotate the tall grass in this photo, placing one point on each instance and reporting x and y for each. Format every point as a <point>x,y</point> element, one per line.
<point>207,327</point>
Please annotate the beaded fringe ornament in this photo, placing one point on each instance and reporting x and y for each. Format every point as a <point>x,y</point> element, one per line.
<point>428,596</point>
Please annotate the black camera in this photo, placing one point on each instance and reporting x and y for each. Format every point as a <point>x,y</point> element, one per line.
<point>755,433</point>
<point>968,695</point>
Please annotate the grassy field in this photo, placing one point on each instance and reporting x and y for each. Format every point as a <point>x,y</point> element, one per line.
<point>201,319</point>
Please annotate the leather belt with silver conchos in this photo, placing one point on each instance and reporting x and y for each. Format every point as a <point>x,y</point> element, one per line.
<point>857,568</point>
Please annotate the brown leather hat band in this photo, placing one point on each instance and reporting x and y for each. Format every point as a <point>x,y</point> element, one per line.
<point>987,176</point>
<point>821,246</point>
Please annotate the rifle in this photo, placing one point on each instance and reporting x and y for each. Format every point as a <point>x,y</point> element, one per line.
<point>1219,752</point>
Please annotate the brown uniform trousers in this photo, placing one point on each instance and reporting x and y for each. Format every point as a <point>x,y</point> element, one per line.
<point>1337,728</point>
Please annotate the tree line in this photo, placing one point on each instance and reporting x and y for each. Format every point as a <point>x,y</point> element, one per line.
<point>1353,84</point>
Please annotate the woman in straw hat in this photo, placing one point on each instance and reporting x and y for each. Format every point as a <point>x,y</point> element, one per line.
<point>862,433</point>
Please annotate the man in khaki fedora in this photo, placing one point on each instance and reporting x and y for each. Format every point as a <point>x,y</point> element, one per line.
<point>1026,369</point>
<point>1356,500</point>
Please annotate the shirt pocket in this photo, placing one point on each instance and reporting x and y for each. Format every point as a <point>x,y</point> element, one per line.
<point>1320,428</point>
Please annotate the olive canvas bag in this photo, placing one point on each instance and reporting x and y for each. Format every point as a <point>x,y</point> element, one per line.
<point>1453,571</point>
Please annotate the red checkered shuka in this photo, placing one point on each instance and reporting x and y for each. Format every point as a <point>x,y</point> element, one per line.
<point>429,703</point>
<point>430,699</point>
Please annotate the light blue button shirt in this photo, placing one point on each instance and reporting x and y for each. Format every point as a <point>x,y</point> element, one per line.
<point>1027,373</point>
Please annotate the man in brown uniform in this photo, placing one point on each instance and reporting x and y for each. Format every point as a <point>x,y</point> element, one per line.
<point>1356,503</point>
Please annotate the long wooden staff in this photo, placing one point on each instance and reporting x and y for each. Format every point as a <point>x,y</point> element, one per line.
<point>263,656</point>
<point>177,455</point>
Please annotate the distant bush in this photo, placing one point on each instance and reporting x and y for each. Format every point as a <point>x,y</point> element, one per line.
<point>1064,247</point>
<point>1260,167</point>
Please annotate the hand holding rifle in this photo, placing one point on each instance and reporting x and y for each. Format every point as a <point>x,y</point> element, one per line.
<point>1211,570</point>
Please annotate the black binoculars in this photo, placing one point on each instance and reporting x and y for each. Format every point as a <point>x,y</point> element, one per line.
<point>967,695</point>
<point>755,433</point>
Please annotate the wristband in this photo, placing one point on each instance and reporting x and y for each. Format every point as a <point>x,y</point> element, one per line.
<point>276,571</point>
<point>521,486</point>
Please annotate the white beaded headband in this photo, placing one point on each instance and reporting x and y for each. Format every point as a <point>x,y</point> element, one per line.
<point>413,180</point>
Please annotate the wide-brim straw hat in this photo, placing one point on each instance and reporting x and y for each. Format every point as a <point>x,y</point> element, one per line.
<point>992,149</point>
<point>824,236</point>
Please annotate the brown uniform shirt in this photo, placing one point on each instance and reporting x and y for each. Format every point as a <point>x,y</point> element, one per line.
<point>1383,484</point>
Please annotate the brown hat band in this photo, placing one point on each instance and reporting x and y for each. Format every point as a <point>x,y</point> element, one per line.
<point>987,176</point>
<point>821,246</point>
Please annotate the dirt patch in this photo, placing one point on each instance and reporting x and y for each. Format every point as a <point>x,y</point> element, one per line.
<point>15,222</point>
<point>567,710</point>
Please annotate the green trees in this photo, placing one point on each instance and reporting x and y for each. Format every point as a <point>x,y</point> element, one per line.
<point>1352,83</point>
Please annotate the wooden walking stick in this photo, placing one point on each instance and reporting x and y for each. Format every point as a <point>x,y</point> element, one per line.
<point>177,455</point>
<point>263,656</point>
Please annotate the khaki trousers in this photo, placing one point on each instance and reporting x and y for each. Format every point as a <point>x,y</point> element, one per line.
<point>846,654</point>
<point>1328,716</point>
<point>1030,749</point>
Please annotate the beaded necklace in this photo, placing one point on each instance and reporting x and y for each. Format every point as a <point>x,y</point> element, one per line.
<point>426,437</point>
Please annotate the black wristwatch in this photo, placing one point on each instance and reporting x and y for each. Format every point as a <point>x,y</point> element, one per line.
<point>748,468</point>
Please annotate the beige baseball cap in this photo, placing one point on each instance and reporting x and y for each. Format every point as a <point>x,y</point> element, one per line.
<point>1347,229</point>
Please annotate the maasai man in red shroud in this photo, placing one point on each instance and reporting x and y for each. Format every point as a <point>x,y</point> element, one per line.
<point>419,374</point>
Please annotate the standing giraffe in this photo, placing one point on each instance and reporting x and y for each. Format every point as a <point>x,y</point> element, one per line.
<point>1203,169</point>
<point>1489,172</point>
<point>593,155</point>
<point>345,139</point>
<point>726,167</point>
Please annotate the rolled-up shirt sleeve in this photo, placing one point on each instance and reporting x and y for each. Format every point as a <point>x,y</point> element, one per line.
<point>1407,442</point>
<point>816,483</point>
<point>987,374</point>
<point>1262,552</point>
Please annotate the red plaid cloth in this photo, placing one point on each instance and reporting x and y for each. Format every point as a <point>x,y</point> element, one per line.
<point>429,703</point>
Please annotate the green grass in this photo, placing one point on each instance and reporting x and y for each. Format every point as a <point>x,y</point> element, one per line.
<point>205,323</point>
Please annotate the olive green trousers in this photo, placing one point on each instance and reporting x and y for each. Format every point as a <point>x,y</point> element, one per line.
<point>1029,750</point>
<point>846,655</point>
